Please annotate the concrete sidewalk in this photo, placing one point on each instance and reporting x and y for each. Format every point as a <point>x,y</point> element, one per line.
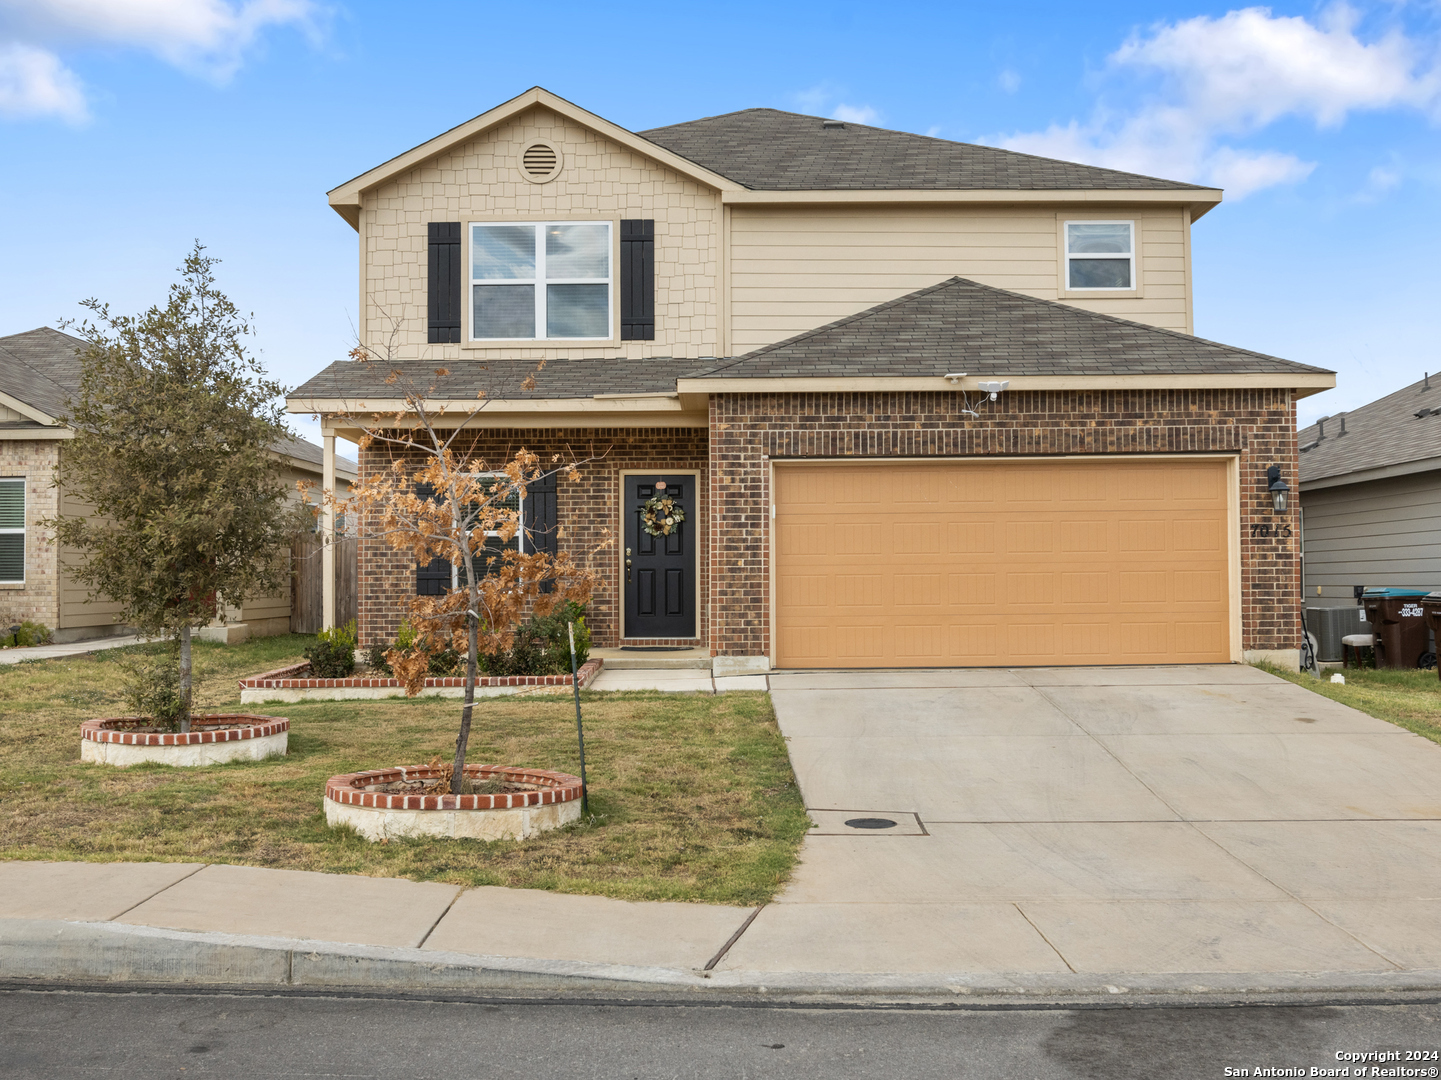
<point>73,648</point>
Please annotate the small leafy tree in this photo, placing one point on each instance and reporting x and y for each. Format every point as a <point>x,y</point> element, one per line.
<point>436,500</point>
<point>174,428</point>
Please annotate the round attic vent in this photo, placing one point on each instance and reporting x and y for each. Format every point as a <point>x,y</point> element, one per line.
<point>540,162</point>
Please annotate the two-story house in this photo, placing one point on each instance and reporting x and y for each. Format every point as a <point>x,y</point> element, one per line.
<point>921,402</point>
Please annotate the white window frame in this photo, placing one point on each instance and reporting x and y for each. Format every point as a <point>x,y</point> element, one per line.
<point>519,535</point>
<point>540,281</point>
<point>1069,255</point>
<point>24,501</point>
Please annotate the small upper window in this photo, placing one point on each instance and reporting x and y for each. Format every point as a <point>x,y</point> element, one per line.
<point>12,531</point>
<point>1100,255</point>
<point>540,281</point>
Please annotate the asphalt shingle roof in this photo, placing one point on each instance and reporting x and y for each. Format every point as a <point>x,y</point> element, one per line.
<point>41,368</point>
<point>1385,432</point>
<point>956,325</point>
<point>961,325</point>
<point>770,150</point>
<point>355,382</point>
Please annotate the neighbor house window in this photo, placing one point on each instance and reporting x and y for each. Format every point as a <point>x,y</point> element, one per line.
<point>544,281</point>
<point>1100,255</point>
<point>12,531</point>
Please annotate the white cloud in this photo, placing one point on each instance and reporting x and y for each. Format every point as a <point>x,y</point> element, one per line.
<point>817,101</point>
<point>1234,76</point>
<point>203,37</point>
<point>855,114</point>
<point>1009,81</point>
<point>33,82</point>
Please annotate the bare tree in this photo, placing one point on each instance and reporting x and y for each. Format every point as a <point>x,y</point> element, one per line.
<point>438,499</point>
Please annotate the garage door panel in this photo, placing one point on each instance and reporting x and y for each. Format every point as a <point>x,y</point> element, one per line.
<point>1088,642</point>
<point>980,642</point>
<point>915,564</point>
<point>1088,587</point>
<point>971,537</point>
<point>967,591</point>
<point>1085,535</point>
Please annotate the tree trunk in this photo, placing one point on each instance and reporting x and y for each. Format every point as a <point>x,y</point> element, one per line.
<point>185,681</point>
<point>457,774</point>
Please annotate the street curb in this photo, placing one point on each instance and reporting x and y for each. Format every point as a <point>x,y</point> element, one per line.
<point>46,951</point>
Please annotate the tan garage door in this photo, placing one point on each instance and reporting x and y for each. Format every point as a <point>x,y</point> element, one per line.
<point>1006,563</point>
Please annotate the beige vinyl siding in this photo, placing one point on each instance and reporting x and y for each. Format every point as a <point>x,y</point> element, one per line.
<point>10,416</point>
<point>793,269</point>
<point>75,613</point>
<point>1383,533</point>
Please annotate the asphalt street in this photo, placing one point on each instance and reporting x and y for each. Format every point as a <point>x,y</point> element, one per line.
<point>67,1033</point>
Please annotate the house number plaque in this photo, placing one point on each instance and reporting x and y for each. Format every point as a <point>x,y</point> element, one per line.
<point>1267,530</point>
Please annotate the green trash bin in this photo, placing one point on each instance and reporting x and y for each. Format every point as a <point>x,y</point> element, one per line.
<point>1431,608</point>
<point>1398,620</point>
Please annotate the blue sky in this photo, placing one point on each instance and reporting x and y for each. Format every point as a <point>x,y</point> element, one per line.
<point>128,128</point>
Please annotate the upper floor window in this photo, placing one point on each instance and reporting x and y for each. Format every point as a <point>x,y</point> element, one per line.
<point>540,281</point>
<point>12,531</point>
<point>1100,255</point>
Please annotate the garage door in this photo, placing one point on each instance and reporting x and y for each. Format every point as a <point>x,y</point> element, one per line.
<point>1002,563</point>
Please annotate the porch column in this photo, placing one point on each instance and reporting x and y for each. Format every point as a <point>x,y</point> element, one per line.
<point>327,529</point>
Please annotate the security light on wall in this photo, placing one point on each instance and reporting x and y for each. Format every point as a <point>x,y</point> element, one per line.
<point>993,389</point>
<point>1280,490</point>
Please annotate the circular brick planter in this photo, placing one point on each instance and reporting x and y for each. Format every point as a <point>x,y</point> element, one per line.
<point>353,799</point>
<point>115,742</point>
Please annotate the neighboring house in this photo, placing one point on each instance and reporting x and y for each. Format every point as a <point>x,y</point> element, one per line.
<point>39,371</point>
<point>1371,496</point>
<point>792,322</point>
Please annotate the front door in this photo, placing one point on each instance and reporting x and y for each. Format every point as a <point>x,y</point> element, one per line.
<point>660,570</point>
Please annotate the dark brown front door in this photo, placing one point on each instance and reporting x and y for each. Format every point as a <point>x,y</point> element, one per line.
<point>659,570</point>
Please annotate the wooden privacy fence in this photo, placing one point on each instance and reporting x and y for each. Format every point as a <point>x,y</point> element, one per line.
<point>307,577</point>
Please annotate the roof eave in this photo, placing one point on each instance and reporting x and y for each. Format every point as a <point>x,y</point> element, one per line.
<point>1304,384</point>
<point>1379,472</point>
<point>346,199</point>
<point>1197,200</point>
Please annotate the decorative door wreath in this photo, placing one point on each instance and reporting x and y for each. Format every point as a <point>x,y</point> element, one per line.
<point>661,516</point>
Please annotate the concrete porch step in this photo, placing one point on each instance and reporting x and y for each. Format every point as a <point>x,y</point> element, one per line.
<point>633,659</point>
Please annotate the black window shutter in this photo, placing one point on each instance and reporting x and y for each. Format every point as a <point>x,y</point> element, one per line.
<point>432,578</point>
<point>444,273</point>
<point>540,519</point>
<point>637,280</point>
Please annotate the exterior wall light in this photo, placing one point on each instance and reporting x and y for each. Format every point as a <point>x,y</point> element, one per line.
<point>993,389</point>
<point>1280,490</point>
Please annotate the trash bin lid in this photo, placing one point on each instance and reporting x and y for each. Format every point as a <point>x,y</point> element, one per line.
<point>1381,594</point>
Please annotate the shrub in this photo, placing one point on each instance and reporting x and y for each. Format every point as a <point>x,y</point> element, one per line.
<point>151,683</point>
<point>332,656</point>
<point>542,646</point>
<point>26,634</point>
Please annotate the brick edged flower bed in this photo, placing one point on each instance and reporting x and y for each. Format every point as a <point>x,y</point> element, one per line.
<point>113,741</point>
<point>352,799</point>
<point>295,683</point>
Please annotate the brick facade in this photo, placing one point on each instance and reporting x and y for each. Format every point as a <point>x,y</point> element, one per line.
<point>588,512</point>
<point>747,431</point>
<point>39,597</point>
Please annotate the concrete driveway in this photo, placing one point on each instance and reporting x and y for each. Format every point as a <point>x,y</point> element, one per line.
<point>1119,820</point>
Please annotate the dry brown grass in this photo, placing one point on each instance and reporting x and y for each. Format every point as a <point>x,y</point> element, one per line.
<point>692,796</point>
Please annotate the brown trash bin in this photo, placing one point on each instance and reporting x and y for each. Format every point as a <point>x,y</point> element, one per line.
<point>1431,612</point>
<point>1398,620</point>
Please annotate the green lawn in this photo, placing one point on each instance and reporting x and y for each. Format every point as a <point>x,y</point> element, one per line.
<point>692,796</point>
<point>1409,699</point>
